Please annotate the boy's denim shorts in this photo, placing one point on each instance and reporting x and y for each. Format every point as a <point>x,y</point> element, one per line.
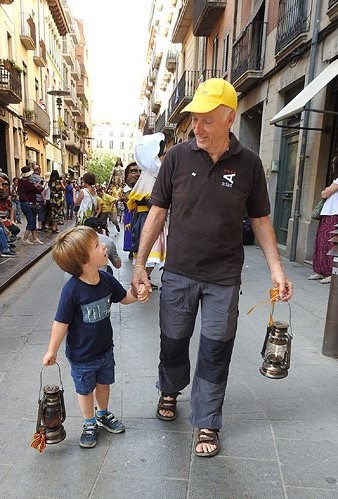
<point>87,374</point>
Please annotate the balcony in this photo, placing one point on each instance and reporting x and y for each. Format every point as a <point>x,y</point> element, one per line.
<point>75,33</point>
<point>332,10</point>
<point>185,90</point>
<point>40,55</point>
<point>247,57</point>
<point>82,91</point>
<point>149,126</point>
<point>171,61</point>
<point>27,31</point>
<point>10,84</point>
<point>163,125</point>
<point>71,99</point>
<point>142,121</point>
<point>157,58</point>
<point>72,143</point>
<point>84,119</point>
<point>293,23</point>
<point>68,51</point>
<point>36,118</point>
<point>153,74</point>
<point>183,22</point>
<point>76,71</point>
<point>149,84</point>
<point>155,104</point>
<point>206,15</point>
<point>77,110</point>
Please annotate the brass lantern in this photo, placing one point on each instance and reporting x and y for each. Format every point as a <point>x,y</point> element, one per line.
<point>51,415</point>
<point>276,351</point>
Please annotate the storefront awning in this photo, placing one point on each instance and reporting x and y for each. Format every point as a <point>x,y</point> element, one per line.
<point>299,102</point>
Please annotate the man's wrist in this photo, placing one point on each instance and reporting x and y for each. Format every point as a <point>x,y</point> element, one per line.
<point>141,266</point>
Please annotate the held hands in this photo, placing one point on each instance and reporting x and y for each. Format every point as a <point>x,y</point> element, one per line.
<point>140,278</point>
<point>142,293</point>
<point>49,359</point>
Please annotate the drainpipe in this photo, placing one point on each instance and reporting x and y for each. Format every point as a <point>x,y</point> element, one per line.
<point>302,156</point>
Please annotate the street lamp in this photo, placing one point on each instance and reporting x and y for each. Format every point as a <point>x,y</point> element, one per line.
<point>59,94</point>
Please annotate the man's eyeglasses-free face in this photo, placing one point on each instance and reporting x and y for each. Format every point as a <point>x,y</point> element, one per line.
<point>135,171</point>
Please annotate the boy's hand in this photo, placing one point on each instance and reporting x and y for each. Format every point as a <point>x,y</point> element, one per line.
<point>49,359</point>
<point>142,293</point>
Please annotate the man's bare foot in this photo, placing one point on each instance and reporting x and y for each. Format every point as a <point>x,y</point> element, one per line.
<point>207,444</point>
<point>166,407</point>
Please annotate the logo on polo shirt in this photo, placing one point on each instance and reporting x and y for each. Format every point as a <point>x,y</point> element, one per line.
<point>228,178</point>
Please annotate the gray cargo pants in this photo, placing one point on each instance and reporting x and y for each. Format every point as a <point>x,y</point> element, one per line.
<point>179,302</point>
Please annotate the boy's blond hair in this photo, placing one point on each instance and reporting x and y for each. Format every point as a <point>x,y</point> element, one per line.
<point>71,249</point>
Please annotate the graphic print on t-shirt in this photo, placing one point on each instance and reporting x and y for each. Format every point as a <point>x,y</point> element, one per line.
<point>97,310</point>
<point>228,178</point>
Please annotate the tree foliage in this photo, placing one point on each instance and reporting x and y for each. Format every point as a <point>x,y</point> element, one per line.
<point>102,164</point>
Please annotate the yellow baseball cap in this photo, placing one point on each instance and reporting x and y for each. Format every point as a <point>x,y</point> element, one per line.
<point>211,94</point>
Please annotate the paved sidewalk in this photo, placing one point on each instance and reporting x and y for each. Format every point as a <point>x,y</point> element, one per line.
<point>279,439</point>
<point>27,255</point>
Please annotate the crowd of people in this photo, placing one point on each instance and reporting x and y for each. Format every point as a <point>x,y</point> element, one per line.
<point>43,204</point>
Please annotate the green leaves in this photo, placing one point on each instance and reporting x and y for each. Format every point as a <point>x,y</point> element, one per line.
<point>102,165</point>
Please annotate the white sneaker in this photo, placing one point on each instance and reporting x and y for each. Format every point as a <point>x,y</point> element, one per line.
<point>326,280</point>
<point>26,241</point>
<point>37,241</point>
<point>314,277</point>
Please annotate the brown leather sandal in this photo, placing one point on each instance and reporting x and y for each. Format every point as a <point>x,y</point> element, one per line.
<point>207,437</point>
<point>167,405</point>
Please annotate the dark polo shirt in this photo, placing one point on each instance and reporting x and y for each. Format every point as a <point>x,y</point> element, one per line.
<point>207,204</point>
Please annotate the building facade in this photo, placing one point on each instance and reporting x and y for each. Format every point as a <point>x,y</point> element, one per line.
<point>44,88</point>
<point>270,51</point>
<point>118,137</point>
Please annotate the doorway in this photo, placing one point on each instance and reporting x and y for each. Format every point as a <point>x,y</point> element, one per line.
<point>285,185</point>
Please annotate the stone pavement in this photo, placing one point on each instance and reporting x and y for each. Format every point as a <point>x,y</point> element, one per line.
<point>27,255</point>
<point>279,439</point>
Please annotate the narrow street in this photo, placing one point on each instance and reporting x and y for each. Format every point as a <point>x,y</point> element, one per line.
<point>279,437</point>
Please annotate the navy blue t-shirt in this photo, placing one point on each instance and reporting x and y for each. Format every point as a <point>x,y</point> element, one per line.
<point>86,310</point>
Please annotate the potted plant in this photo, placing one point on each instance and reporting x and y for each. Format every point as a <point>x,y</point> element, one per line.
<point>9,64</point>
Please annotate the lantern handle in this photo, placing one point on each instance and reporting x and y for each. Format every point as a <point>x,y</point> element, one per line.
<point>273,300</point>
<point>41,380</point>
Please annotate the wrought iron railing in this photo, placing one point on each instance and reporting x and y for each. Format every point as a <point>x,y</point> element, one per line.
<point>10,80</point>
<point>162,124</point>
<point>187,86</point>
<point>292,21</point>
<point>332,3</point>
<point>247,51</point>
<point>149,126</point>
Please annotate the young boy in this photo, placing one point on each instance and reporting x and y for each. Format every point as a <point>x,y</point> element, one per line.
<point>84,314</point>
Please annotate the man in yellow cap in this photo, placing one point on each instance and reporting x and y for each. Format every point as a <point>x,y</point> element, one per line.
<point>208,183</point>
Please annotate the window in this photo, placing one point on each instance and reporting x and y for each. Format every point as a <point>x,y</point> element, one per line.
<point>214,53</point>
<point>111,146</point>
<point>225,55</point>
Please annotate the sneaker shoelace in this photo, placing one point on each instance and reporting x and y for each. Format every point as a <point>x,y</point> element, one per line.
<point>110,417</point>
<point>89,429</point>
